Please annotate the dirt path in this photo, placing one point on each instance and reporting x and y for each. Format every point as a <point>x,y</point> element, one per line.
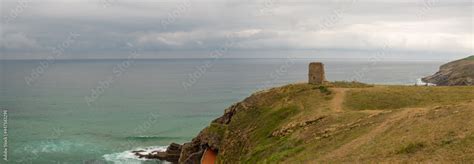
<point>356,143</point>
<point>338,100</point>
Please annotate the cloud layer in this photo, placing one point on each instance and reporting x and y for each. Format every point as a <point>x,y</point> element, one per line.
<point>106,27</point>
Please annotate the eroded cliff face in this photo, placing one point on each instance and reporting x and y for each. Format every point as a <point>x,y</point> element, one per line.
<point>210,137</point>
<point>229,135</point>
<point>457,73</point>
<point>247,126</point>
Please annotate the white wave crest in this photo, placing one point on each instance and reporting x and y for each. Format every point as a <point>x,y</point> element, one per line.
<point>128,157</point>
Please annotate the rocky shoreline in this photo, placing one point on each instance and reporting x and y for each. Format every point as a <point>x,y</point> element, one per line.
<point>171,154</point>
<point>456,73</point>
<point>193,151</point>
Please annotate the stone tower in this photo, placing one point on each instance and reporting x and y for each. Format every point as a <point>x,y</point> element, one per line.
<point>316,73</point>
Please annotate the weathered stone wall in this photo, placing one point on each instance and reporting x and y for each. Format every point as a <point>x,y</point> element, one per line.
<point>316,73</point>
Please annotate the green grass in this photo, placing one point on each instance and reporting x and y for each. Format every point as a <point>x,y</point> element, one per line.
<point>217,130</point>
<point>396,97</point>
<point>253,128</point>
<point>250,132</point>
<point>411,148</point>
<point>469,58</point>
<point>444,126</point>
<point>347,84</point>
<point>324,90</point>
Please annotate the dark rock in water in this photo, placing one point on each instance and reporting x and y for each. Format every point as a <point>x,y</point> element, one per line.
<point>456,73</point>
<point>171,154</point>
<point>138,151</point>
<point>174,148</point>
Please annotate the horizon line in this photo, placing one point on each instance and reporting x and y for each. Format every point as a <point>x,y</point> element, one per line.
<point>207,58</point>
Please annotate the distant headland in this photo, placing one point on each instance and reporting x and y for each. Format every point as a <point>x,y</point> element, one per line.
<point>456,73</point>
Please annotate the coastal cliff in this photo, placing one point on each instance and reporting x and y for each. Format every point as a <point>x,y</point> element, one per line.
<point>456,73</point>
<point>340,122</point>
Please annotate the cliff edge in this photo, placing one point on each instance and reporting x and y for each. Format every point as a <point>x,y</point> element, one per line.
<point>456,73</point>
<point>340,122</point>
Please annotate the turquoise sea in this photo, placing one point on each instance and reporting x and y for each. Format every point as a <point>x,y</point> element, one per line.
<point>94,111</point>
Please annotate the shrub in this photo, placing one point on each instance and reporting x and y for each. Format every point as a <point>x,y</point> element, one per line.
<point>411,148</point>
<point>324,90</point>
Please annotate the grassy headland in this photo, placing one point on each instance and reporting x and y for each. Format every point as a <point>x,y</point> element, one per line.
<point>348,122</point>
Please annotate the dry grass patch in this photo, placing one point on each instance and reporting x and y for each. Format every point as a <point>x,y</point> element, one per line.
<point>397,97</point>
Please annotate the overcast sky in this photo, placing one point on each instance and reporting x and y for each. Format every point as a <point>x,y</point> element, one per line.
<point>238,28</point>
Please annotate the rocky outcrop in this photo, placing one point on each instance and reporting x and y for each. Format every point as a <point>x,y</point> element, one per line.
<point>212,136</point>
<point>192,151</point>
<point>228,113</point>
<point>171,154</point>
<point>456,73</point>
<point>209,138</point>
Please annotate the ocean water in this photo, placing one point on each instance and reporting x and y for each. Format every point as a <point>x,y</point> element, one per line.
<point>96,111</point>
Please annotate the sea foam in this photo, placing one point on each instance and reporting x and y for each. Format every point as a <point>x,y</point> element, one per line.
<point>421,83</point>
<point>128,157</point>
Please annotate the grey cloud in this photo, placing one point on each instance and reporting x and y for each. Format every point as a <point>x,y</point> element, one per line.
<point>423,26</point>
